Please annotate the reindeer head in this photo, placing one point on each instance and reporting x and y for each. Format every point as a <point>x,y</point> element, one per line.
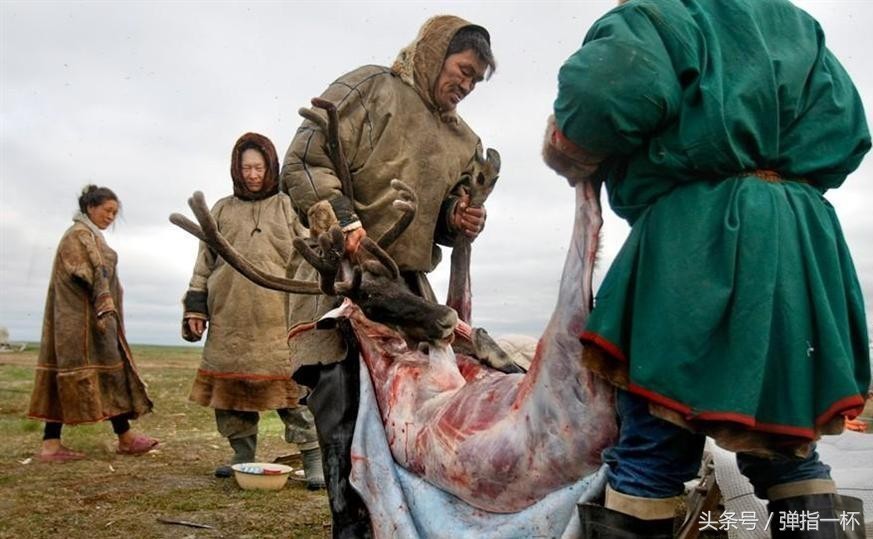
<point>376,286</point>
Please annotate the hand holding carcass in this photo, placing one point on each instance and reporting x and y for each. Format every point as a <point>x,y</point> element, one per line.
<point>353,240</point>
<point>469,220</point>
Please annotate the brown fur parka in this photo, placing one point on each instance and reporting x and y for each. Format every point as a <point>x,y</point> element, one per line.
<point>85,373</point>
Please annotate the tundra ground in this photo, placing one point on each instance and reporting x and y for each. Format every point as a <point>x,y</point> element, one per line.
<point>109,495</point>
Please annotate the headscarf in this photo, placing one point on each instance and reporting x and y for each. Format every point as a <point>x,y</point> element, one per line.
<point>271,175</point>
<point>419,64</point>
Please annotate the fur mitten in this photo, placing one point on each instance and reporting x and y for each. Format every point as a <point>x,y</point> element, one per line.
<point>566,158</point>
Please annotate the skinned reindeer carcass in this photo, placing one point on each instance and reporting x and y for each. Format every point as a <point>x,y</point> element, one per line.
<point>500,442</point>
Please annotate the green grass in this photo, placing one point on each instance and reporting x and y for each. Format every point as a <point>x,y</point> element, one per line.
<point>109,495</point>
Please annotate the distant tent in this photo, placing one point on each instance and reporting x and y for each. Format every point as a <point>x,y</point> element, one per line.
<point>5,345</point>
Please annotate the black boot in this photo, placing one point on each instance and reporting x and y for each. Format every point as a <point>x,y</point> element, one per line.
<point>839,517</point>
<point>334,405</point>
<point>598,522</point>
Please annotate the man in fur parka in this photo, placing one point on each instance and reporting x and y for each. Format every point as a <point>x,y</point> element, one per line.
<point>399,122</point>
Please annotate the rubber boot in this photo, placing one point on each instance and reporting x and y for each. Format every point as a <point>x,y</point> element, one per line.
<point>333,402</point>
<point>625,516</point>
<point>598,522</point>
<point>243,451</point>
<point>817,516</point>
<point>312,468</point>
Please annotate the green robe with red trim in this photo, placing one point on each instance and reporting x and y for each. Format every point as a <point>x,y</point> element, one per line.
<point>733,305</point>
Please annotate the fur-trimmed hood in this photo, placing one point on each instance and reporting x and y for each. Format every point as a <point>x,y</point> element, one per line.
<point>419,63</point>
<point>271,175</point>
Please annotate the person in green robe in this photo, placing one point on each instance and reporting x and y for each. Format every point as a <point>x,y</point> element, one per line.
<point>733,309</point>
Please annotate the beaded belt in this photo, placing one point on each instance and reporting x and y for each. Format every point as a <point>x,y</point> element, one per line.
<point>774,177</point>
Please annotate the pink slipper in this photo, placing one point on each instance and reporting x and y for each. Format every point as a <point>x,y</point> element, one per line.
<point>60,456</point>
<point>141,445</point>
<point>856,425</point>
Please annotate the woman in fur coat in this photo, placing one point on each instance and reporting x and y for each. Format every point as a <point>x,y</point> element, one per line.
<point>245,367</point>
<point>85,372</point>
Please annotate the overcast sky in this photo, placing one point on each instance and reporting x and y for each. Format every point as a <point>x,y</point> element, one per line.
<point>148,98</point>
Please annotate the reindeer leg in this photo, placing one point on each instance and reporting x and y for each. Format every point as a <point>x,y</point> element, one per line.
<point>460,294</point>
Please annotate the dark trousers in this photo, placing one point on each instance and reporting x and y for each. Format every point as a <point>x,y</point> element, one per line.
<point>654,458</point>
<point>333,401</point>
<point>120,425</point>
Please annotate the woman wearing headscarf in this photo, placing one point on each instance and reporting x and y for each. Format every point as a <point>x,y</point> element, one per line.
<point>245,367</point>
<point>85,371</point>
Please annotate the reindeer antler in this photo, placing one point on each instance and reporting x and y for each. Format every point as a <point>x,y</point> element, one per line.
<point>374,284</point>
<point>208,232</point>
<point>188,226</point>
<point>334,145</point>
<point>313,117</point>
<point>328,263</point>
<point>385,262</point>
<point>407,203</point>
<point>330,260</point>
